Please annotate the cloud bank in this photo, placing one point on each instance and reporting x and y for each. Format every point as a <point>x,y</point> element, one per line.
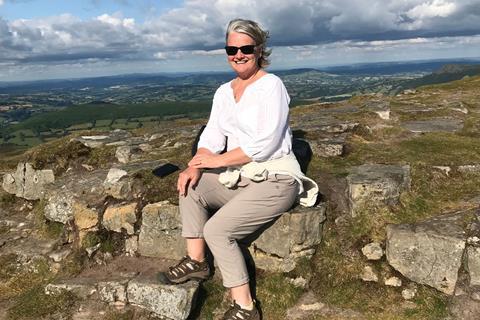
<point>198,27</point>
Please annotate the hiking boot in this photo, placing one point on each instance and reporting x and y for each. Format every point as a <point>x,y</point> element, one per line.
<point>186,269</point>
<point>237,313</point>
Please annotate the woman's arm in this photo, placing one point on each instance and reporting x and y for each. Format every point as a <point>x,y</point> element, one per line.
<point>207,159</point>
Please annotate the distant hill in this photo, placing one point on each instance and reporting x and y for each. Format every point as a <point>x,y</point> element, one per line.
<point>447,73</point>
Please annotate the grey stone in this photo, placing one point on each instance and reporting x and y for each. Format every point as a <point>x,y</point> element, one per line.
<point>131,246</point>
<point>83,288</point>
<point>112,291</point>
<point>369,275</point>
<point>328,147</point>
<point>101,140</point>
<point>59,207</point>
<point>462,307</point>
<point>160,232</point>
<point>408,293</point>
<point>373,251</point>
<point>376,184</point>
<point>434,125</point>
<point>473,265</point>
<point>173,302</point>
<point>308,306</point>
<point>429,252</point>
<point>27,182</point>
<point>125,153</point>
<point>472,168</point>
<point>393,282</point>
<point>115,185</point>
<point>294,235</point>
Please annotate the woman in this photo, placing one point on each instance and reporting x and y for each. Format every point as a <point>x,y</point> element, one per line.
<point>252,183</point>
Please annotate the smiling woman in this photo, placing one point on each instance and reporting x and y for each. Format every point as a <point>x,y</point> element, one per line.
<point>252,183</point>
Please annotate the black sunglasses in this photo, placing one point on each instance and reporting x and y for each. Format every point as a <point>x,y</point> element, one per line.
<point>232,50</point>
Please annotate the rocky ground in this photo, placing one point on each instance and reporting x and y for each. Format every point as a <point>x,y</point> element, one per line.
<point>85,223</point>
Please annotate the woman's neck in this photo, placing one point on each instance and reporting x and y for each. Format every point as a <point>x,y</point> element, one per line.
<point>250,77</point>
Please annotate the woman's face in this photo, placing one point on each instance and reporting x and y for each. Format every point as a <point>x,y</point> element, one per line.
<point>244,65</point>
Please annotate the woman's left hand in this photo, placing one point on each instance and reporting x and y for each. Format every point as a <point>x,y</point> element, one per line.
<point>201,161</point>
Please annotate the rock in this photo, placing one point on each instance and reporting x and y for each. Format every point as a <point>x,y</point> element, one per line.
<point>131,246</point>
<point>125,153</point>
<point>72,189</point>
<point>294,235</point>
<point>27,182</point>
<point>377,184</point>
<point>329,147</point>
<point>444,169</point>
<point>113,291</point>
<point>369,275</point>
<point>409,294</point>
<point>92,250</point>
<point>308,306</point>
<point>299,282</point>
<point>473,265</point>
<point>393,282</point>
<point>101,140</point>
<point>173,302</point>
<point>373,251</point>
<point>85,218</point>
<point>115,185</point>
<point>462,307</point>
<point>59,207</point>
<point>383,114</point>
<point>475,295</point>
<point>434,125</point>
<point>472,168</point>
<point>120,217</point>
<point>83,289</point>
<point>429,252</point>
<point>160,232</point>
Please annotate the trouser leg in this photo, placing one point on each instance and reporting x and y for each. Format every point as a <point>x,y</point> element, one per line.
<point>251,208</point>
<point>209,194</point>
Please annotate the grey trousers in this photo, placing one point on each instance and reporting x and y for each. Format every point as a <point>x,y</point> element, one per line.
<point>240,212</point>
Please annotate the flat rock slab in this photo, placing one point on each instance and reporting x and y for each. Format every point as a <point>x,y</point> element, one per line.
<point>434,125</point>
<point>101,140</point>
<point>172,302</point>
<point>430,252</point>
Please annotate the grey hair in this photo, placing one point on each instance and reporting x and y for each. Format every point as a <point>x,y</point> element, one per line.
<point>252,29</point>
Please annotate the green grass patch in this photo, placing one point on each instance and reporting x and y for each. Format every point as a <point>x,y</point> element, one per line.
<point>35,304</point>
<point>102,123</point>
<point>210,297</point>
<point>276,294</point>
<point>80,126</point>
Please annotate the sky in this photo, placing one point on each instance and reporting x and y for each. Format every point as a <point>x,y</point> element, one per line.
<point>45,39</point>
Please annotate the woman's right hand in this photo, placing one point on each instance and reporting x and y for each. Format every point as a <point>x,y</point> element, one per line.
<point>189,176</point>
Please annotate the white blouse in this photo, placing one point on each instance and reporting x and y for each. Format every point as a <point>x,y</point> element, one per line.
<point>258,123</point>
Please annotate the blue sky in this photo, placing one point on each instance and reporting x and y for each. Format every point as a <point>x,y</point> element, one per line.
<point>42,39</point>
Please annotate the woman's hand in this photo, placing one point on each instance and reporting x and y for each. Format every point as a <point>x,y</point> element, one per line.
<point>201,161</point>
<point>189,176</point>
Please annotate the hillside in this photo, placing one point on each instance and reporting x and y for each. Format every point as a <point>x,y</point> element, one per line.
<point>395,172</point>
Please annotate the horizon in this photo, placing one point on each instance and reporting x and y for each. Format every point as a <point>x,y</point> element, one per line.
<point>45,40</point>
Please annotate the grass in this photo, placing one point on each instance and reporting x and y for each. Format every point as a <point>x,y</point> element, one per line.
<point>35,304</point>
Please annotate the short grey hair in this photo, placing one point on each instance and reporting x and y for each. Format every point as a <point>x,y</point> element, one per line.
<point>252,29</point>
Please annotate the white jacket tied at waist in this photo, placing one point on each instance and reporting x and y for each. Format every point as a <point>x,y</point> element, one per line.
<point>259,171</point>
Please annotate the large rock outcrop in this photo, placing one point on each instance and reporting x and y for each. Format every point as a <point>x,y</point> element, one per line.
<point>26,182</point>
<point>432,252</point>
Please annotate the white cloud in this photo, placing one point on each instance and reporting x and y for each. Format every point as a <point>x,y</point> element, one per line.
<point>196,29</point>
<point>436,8</point>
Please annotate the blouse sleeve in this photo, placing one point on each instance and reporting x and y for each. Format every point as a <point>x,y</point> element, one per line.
<point>264,134</point>
<point>212,137</point>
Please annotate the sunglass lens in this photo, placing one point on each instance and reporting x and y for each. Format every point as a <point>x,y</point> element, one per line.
<point>232,50</point>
